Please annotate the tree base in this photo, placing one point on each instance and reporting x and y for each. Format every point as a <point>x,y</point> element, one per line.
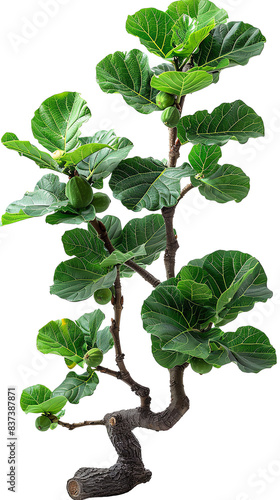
<point>117,480</point>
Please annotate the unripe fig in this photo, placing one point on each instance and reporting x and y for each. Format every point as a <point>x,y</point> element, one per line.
<point>93,357</point>
<point>165,100</point>
<point>58,154</point>
<point>171,116</point>
<point>100,202</point>
<point>42,423</point>
<point>200,366</point>
<point>103,296</point>
<point>79,192</point>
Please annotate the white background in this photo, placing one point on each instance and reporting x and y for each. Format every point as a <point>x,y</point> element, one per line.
<point>227,446</point>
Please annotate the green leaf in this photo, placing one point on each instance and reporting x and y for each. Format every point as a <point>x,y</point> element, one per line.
<point>76,387</point>
<point>177,322</point>
<point>34,395</point>
<point>203,10</point>
<point>84,244</point>
<point>101,164</point>
<point>25,148</point>
<point>62,337</point>
<point>104,340</point>
<point>48,194</point>
<point>53,406</point>
<point>191,40</point>
<point>150,232</point>
<point>75,157</point>
<point>237,281</point>
<point>77,279</point>
<point>56,124</point>
<point>128,74</point>
<point>167,359</point>
<point>118,257</point>
<point>183,7</point>
<point>249,348</point>
<point>90,323</point>
<point>198,293</point>
<point>225,183</point>
<point>236,42</point>
<point>11,218</point>
<point>228,121</point>
<point>70,215</point>
<point>154,29</point>
<point>180,84</point>
<point>204,158</point>
<point>114,229</point>
<point>146,183</point>
<point>162,68</point>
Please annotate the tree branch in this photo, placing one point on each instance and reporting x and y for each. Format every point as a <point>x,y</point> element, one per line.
<point>141,391</point>
<point>184,191</point>
<point>102,232</point>
<point>71,427</point>
<point>108,371</point>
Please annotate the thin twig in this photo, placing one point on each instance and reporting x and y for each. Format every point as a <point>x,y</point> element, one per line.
<point>71,427</point>
<point>184,191</point>
<point>108,371</point>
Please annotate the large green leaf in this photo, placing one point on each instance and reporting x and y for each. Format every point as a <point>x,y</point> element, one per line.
<point>90,323</point>
<point>154,29</point>
<point>83,243</point>
<point>168,315</point>
<point>62,337</point>
<point>48,195</point>
<point>187,40</point>
<point>197,293</point>
<point>248,347</point>
<point>237,280</point>
<point>174,82</point>
<point>150,232</point>
<point>25,148</point>
<point>76,387</point>
<point>167,359</point>
<point>78,279</point>
<point>81,153</point>
<point>104,340</point>
<point>114,229</point>
<point>236,41</point>
<point>56,124</point>
<point>224,183</point>
<point>228,121</point>
<point>101,164</point>
<point>147,183</point>
<point>204,158</point>
<point>128,74</point>
<point>118,257</point>
<point>70,215</point>
<point>34,395</point>
<point>203,10</point>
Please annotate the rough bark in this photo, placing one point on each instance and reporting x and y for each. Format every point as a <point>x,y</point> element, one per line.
<point>129,471</point>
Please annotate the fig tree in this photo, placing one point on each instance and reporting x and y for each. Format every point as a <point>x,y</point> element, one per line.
<point>79,192</point>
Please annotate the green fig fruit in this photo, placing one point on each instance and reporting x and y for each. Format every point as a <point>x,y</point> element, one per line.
<point>93,357</point>
<point>171,116</point>
<point>42,423</point>
<point>79,192</point>
<point>200,366</point>
<point>100,202</point>
<point>165,100</point>
<point>58,154</point>
<point>103,296</point>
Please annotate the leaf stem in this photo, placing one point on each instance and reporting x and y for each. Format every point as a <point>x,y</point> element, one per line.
<point>71,427</point>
